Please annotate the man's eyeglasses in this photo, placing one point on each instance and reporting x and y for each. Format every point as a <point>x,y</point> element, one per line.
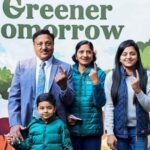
<point>47,44</point>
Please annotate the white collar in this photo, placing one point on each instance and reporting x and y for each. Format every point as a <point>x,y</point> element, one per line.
<point>48,62</point>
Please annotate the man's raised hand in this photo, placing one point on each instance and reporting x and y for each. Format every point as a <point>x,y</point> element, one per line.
<point>61,78</point>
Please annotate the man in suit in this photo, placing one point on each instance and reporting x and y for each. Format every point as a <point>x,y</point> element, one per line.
<point>22,95</point>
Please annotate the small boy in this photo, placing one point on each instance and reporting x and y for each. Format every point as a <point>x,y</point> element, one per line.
<point>48,131</point>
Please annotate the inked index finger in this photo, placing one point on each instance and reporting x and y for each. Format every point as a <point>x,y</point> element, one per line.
<point>60,69</point>
<point>95,67</point>
<point>137,75</point>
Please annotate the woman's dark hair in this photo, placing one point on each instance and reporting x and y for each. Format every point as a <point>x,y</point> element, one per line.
<point>45,97</point>
<point>116,72</point>
<point>84,42</point>
<point>43,31</point>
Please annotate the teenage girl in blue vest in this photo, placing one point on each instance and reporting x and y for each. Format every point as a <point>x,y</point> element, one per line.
<point>127,89</point>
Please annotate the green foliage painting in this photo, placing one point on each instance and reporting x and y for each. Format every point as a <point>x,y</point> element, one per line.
<point>145,53</point>
<point>5,81</point>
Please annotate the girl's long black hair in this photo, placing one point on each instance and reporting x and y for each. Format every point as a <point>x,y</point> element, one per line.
<point>116,77</point>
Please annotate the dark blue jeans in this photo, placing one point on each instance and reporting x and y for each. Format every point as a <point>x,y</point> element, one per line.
<point>86,143</point>
<point>133,142</point>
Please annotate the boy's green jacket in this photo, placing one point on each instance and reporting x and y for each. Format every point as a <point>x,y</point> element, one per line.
<point>52,135</point>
